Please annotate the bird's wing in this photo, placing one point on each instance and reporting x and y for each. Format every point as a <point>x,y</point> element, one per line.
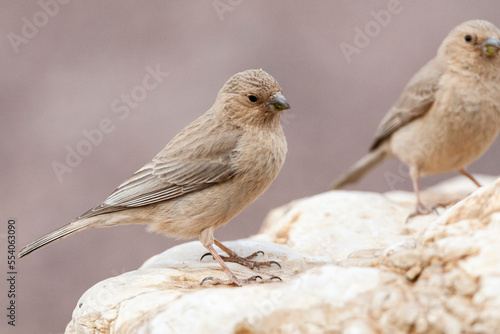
<point>415,101</point>
<point>197,165</point>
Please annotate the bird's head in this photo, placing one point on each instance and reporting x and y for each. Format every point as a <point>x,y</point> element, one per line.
<point>473,45</point>
<point>253,97</point>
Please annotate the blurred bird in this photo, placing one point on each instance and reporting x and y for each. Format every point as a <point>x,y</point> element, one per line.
<point>206,175</point>
<point>447,115</point>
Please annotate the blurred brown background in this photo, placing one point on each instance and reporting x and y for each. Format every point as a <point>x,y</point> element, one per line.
<point>75,67</point>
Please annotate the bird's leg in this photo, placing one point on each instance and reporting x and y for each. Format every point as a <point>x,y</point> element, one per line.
<point>207,239</point>
<point>420,208</point>
<point>232,279</point>
<point>472,178</point>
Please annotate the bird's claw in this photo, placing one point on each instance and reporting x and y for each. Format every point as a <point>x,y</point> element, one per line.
<point>276,263</point>
<point>239,282</point>
<point>206,255</point>
<point>245,261</point>
<point>251,256</point>
<point>421,210</point>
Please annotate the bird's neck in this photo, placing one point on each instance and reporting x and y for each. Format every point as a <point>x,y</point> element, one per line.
<point>485,71</point>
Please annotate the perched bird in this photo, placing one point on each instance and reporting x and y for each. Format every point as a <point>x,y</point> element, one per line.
<point>206,175</point>
<point>447,115</point>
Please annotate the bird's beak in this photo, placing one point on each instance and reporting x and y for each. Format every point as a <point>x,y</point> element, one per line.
<point>491,46</point>
<point>278,103</point>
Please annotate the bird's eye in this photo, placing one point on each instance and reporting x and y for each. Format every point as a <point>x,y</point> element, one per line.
<point>252,98</point>
<point>468,38</point>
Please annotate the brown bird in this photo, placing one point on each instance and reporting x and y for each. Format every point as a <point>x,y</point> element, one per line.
<point>447,115</point>
<point>206,175</point>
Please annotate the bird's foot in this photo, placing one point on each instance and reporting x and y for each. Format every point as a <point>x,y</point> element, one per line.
<point>239,281</point>
<point>246,261</point>
<point>421,210</point>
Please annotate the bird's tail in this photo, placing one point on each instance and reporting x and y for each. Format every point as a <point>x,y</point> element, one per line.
<point>360,168</point>
<point>58,234</point>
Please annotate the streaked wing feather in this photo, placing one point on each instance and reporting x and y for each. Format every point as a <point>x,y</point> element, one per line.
<point>162,180</point>
<point>415,101</point>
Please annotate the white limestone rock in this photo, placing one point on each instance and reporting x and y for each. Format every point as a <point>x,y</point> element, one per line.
<point>350,264</point>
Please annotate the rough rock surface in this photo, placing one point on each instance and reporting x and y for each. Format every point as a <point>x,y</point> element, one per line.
<point>350,264</point>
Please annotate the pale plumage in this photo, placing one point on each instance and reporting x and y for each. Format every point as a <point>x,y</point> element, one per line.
<point>447,115</point>
<point>206,174</point>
